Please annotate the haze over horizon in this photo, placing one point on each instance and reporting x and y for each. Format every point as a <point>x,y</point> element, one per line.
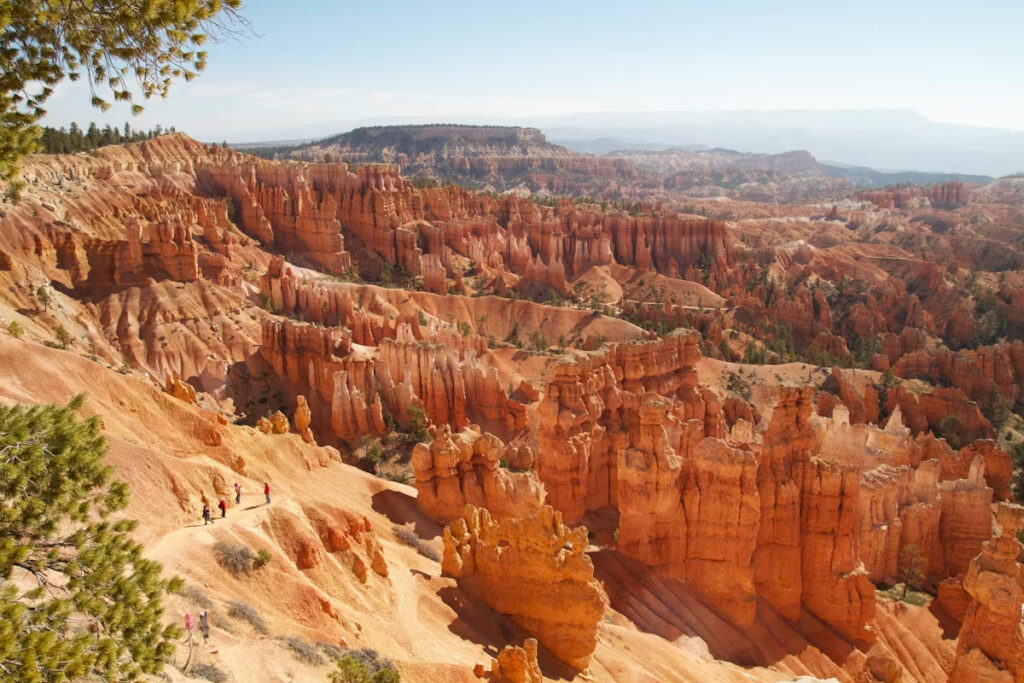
<point>329,68</point>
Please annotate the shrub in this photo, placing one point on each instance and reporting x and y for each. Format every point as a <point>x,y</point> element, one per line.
<point>411,538</point>
<point>364,666</point>
<point>246,612</point>
<point>209,672</point>
<point>303,650</point>
<point>333,651</point>
<point>63,337</point>
<point>236,558</point>
<point>262,558</point>
<point>43,297</point>
<point>949,429</point>
<point>406,535</point>
<point>418,423</point>
<point>15,329</point>
<point>350,671</point>
<point>12,193</point>
<point>196,595</point>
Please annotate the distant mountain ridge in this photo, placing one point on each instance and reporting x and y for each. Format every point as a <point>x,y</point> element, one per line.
<point>504,158</point>
<point>892,139</point>
<point>800,163</point>
<point>480,157</point>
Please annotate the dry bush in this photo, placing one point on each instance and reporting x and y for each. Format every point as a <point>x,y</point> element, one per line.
<point>409,537</point>
<point>246,612</point>
<point>303,650</point>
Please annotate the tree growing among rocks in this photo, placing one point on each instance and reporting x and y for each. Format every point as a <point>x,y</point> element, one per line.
<point>77,598</point>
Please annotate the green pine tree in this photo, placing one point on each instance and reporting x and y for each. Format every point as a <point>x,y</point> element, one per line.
<point>77,598</point>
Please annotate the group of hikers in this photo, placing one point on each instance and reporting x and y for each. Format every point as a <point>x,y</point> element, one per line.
<point>204,625</point>
<point>223,504</point>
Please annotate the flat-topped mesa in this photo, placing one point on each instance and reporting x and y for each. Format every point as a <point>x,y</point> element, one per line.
<point>990,645</point>
<point>466,467</point>
<point>534,570</point>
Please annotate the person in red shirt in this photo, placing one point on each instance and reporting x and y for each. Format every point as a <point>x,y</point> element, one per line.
<point>266,491</point>
<point>223,505</point>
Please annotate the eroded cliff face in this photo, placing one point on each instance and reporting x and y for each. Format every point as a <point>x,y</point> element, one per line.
<point>536,571</point>
<point>470,467</point>
<point>799,511</point>
<point>990,646</point>
<point>428,232</point>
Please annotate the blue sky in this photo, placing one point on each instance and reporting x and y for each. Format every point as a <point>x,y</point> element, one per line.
<point>318,67</point>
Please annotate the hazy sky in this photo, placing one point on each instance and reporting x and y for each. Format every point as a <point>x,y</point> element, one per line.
<point>321,66</point>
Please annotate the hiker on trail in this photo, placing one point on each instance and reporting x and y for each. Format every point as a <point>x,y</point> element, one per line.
<point>189,624</point>
<point>206,514</point>
<point>223,505</point>
<point>204,625</point>
<point>238,494</point>
<point>266,491</point>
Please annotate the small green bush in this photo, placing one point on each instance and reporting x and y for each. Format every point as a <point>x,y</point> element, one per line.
<point>15,329</point>
<point>63,337</point>
<point>12,193</point>
<point>364,666</point>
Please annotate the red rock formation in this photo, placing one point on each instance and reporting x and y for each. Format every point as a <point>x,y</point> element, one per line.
<point>178,389</point>
<point>948,195</point>
<point>926,411</point>
<point>534,570</point>
<point>302,418</point>
<point>998,466</point>
<point>965,522</point>
<point>316,533</point>
<point>465,467</point>
<point>975,372</point>
<point>990,646</point>
<point>517,664</point>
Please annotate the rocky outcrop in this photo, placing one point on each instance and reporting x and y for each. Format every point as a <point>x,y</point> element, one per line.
<point>470,467</point>
<point>320,535</point>
<point>974,372</point>
<point>178,389</point>
<point>534,570</point>
<point>302,419</point>
<point>517,664</point>
<point>948,195</point>
<point>926,411</point>
<point>990,645</point>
